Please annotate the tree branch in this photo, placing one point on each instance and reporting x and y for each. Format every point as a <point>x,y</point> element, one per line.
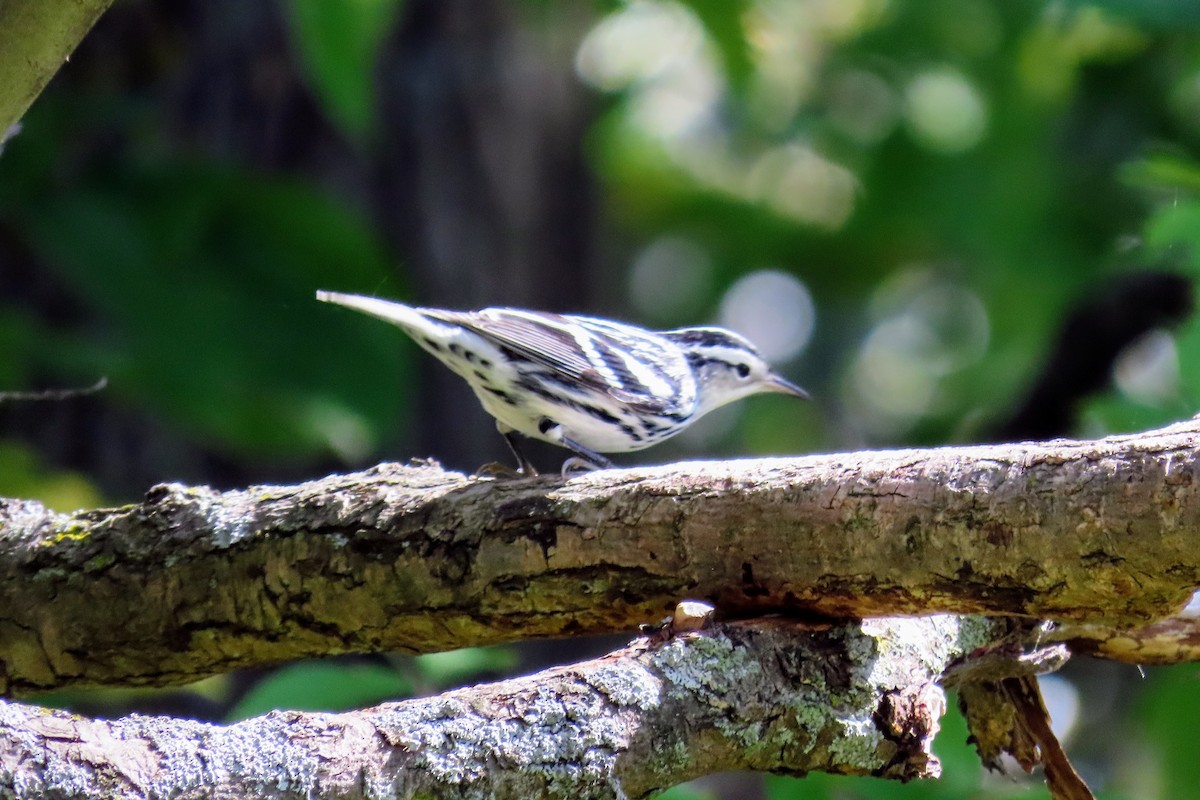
<point>774,695</point>
<point>36,38</point>
<point>1173,640</point>
<point>412,558</point>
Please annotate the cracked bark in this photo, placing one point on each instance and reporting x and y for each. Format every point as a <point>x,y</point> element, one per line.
<point>779,695</point>
<point>1102,535</point>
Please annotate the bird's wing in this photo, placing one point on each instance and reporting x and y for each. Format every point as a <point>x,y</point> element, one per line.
<point>542,338</point>
<point>622,361</point>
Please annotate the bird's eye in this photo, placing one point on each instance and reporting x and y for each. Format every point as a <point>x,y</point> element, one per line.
<point>743,370</point>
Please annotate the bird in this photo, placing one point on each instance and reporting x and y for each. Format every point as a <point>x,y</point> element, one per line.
<point>586,384</point>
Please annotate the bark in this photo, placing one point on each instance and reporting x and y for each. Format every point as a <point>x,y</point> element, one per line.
<point>412,558</point>
<point>775,695</point>
<point>1173,640</point>
<point>36,38</point>
<point>1008,717</point>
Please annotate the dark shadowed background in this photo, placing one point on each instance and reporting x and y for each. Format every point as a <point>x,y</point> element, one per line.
<point>951,220</point>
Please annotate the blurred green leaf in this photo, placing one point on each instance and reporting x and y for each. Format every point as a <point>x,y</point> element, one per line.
<point>339,42</point>
<point>213,689</point>
<point>456,667</point>
<point>722,19</point>
<point>687,792</point>
<point>1114,413</point>
<point>322,686</point>
<point>782,426</point>
<point>1163,171</point>
<point>23,475</point>
<point>1169,707</point>
<point>205,282</point>
<point>1173,232</point>
<point>1163,14</point>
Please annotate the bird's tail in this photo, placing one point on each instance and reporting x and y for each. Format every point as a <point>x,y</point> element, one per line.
<point>396,313</point>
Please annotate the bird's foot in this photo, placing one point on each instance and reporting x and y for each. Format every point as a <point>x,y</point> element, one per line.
<point>584,460</point>
<point>500,471</point>
<point>577,465</point>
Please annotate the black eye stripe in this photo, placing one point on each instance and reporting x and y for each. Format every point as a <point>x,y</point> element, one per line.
<point>698,362</point>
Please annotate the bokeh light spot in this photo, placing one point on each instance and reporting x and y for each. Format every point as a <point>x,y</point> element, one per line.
<point>863,105</point>
<point>659,52</point>
<point>927,329</point>
<point>1148,369</point>
<point>958,320</point>
<point>670,280</point>
<point>797,182</point>
<point>774,310</point>
<point>678,104</point>
<point>886,375</point>
<point>344,431</point>
<point>638,43</point>
<point>944,111</point>
<point>1062,701</point>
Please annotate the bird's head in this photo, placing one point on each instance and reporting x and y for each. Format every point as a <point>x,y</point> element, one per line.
<point>728,368</point>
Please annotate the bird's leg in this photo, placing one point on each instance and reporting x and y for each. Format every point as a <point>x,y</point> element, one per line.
<point>495,469</point>
<point>584,460</point>
<point>524,465</point>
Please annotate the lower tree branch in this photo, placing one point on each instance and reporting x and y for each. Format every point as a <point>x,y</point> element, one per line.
<point>776,694</point>
<point>192,582</point>
<point>1173,640</point>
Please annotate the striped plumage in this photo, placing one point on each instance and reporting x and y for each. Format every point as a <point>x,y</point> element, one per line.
<point>588,384</point>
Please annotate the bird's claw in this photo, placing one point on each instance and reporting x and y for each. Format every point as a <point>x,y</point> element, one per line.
<point>576,465</point>
<point>495,469</point>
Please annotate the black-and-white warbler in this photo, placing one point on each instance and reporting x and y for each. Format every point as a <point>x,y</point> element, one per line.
<point>587,384</point>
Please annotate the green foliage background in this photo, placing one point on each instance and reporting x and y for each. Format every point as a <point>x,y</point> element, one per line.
<point>945,177</point>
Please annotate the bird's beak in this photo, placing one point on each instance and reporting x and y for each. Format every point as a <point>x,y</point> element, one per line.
<point>777,383</point>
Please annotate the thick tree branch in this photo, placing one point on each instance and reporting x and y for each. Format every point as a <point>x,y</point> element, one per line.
<point>192,581</point>
<point>36,38</point>
<point>773,695</point>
